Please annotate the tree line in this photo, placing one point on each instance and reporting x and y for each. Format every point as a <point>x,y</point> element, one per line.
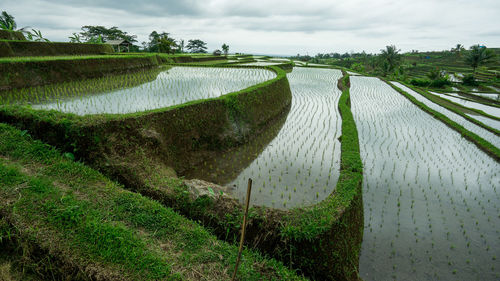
<point>391,62</point>
<point>159,42</point>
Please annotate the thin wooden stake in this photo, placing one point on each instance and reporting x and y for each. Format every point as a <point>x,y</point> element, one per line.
<point>243,228</point>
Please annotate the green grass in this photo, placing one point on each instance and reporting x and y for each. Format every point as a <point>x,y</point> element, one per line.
<point>81,57</point>
<point>341,211</point>
<point>317,240</point>
<point>83,220</point>
<point>212,62</point>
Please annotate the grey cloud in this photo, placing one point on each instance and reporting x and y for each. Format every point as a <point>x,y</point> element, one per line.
<point>144,7</point>
<point>276,26</point>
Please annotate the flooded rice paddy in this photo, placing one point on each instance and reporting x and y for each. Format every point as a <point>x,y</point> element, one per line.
<point>431,198</point>
<point>300,165</point>
<point>171,87</point>
<point>491,110</point>
<point>483,133</point>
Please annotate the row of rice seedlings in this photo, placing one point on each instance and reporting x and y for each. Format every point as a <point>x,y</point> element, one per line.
<point>175,86</point>
<point>456,98</point>
<point>483,133</point>
<point>73,89</point>
<point>431,198</point>
<point>301,165</point>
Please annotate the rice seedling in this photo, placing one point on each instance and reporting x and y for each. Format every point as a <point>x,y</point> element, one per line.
<point>139,92</point>
<point>304,155</point>
<point>421,175</point>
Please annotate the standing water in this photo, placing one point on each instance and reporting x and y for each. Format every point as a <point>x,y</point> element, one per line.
<point>300,166</point>
<point>171,87</point>
<point>431,198</point>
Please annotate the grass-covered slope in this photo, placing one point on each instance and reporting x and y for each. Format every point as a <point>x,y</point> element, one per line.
<point>140,150</point>
<point>71,222</point>
<point>21,48</point>
<point>33,71</point>
<point>327,237</point>
<point>324,240</point>
<point>11,35</point>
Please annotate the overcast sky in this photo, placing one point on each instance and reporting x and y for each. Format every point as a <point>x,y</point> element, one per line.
<point>277,27</point>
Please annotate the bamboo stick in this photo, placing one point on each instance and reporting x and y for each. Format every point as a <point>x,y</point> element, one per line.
<point>243,228</point>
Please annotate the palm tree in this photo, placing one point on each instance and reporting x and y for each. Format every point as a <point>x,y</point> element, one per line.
<point>181,45</point>
<point>390,58</point>
<point>76,38</point>
<point>37,36</point>
<point>7,21</point>
<point>458,49</point>
<point>225,48</point>
<point>478,55</point>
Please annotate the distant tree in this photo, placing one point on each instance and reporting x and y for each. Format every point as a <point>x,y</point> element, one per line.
<point>7,22</point>
<point>181,45</point>
<point>478,55</point>
<point>373,62</point>
<point>90,32</point>
<point>196,46</point>
<point>36,35</point>
<point>225,48</point>
<point>96,40</point>
<point>76,38</point>
<point>469,80</point>
<point>458,49</point>
<point>166,45</point>
<point>435,74</point>
<point>160,42</point>
<point>390,58</point>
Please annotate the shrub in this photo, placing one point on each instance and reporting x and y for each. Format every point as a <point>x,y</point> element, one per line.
<point>437,83</point>
<point>440,83</point>
<point>358,67</point>
<point>469,80</point>
<point>420,82</point>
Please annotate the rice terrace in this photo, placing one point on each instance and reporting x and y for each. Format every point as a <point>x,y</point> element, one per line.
<point>139,155</point>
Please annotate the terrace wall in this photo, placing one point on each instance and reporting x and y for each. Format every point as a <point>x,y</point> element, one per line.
<point>23,48</point>
<point>30,73</point>
<point>188,58</point>
<point>322,241</point>
<point>11,35</point>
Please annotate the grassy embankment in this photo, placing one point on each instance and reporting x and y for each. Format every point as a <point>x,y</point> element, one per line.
<point>330,231</point>
<point>19,48</point>
<point>65,220</point>
<point>335,224</point>
<point>11,35</point>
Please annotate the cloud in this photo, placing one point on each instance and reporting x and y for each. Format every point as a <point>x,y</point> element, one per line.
<point>143,7</point>
<point>274,26</point>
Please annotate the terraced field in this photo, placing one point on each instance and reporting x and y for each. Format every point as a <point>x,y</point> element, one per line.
<point>431,198</point>
<point>300,166</point>
<point>171,87</point>
<point>491,110</point>
<point>485,134</point>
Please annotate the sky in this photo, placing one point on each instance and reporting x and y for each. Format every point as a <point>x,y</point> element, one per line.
<point>277,27</point>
